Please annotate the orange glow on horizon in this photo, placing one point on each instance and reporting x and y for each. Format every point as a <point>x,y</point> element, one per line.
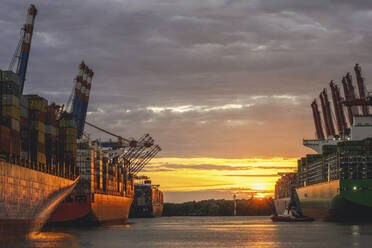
<point>259,195</point>
<point>241,176</point>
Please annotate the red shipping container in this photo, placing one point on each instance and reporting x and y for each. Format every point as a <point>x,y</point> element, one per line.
<point>4,139</point>
<point>24,123</point>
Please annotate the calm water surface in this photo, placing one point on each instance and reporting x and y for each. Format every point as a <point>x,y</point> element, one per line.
<point>181,232</point>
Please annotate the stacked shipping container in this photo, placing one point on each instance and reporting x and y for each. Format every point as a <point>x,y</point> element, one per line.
<point>67,144</point>
<point>283,187</point>
<point>31,132</point>
<point>346,160</point>
<point>10,148</point>
<point>36,122</point>
<point>101,174</point>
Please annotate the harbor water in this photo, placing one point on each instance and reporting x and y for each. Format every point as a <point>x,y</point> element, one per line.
<point>195,232</point>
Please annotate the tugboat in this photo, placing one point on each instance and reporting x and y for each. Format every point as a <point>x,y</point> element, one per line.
<point>294,212</point>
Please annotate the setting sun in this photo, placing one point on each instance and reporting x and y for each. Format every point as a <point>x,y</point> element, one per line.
<point>243,177</point>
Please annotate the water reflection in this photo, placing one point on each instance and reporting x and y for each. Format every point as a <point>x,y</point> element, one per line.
<point>200,232</point>
<point>355,232</point>
<point>48,240</point>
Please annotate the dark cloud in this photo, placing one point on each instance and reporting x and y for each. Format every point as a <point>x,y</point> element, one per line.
<point>269,57</point>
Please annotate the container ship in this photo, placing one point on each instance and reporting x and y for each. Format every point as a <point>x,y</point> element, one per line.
<point>336,182</point>
<point>148,200</point>
<point>283,192</point>
<point>105,190</point>
<point>37,150</point>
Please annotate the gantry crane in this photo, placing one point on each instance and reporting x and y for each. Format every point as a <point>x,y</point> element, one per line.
<point>77,103</point>
<point>137,156</point>
<point>317,120</point>
<point>22,52</point>
<point>140,164</point>
<point>350,100</point>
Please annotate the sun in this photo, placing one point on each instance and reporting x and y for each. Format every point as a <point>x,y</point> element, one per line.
<point>259,195</point>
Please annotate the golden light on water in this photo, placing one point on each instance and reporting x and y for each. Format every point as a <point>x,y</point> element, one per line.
<point>52,240</point>
<point>206,174</point>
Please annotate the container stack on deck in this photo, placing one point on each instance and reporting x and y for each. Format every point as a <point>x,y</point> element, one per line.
<point>346,160</point>
<point>99,173</point>
<point>283,187</point>
<point>67,140</point>
<point>148,200</point>
<point>51,133</point>
<point>355,159</point>
<point>37,115</point>
<point>98,178</point>
<point>30,133</point>
<point>86,160</point>
<point>10,116</point>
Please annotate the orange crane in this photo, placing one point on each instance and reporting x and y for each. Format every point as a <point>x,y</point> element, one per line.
<point>317,120</point>
<point>361,87</point>
<point>338,108</point>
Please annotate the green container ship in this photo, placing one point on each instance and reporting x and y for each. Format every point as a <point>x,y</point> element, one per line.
<point>335,183</point>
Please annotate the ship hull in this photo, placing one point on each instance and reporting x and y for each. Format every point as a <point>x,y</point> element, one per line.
<point>157,210</point>
<point>338,200</point>
<point>149,211</point>
<point>91,209</point>
<point>27,199</point>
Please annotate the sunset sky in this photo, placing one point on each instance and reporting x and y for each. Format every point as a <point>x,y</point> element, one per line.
<point>223,86</point>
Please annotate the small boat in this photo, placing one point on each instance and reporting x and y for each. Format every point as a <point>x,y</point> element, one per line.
<point>290,215</point>
<point>293,213</point>
<point>287,218</point>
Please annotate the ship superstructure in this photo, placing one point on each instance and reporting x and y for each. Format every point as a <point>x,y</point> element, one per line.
<point>336,183</point>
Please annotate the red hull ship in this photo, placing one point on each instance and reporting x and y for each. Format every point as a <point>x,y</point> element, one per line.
<point>104,193</point>
<point>94,209</point>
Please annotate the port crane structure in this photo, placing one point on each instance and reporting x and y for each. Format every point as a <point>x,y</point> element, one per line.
<point>22,52</point>
<point>138,153</point>
<point>357,113</point>
<point>135,154</point>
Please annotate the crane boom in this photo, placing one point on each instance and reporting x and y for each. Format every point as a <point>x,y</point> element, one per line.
<point>352,96</point>
<point>317,120</point>
<point>337,106</point>
<point>23,49</point>
<point>328,112</point>
<point>361,87</point>
<point>140,165</point>
<point>324,111</point>
<point>347,98</point>
<point>146,161</point>
<point>80,97</point>
<point>105,131</point>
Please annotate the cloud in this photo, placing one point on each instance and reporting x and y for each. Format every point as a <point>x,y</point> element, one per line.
<point>222,78</point>
<point>171,167</point>
<point>254,175</point>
